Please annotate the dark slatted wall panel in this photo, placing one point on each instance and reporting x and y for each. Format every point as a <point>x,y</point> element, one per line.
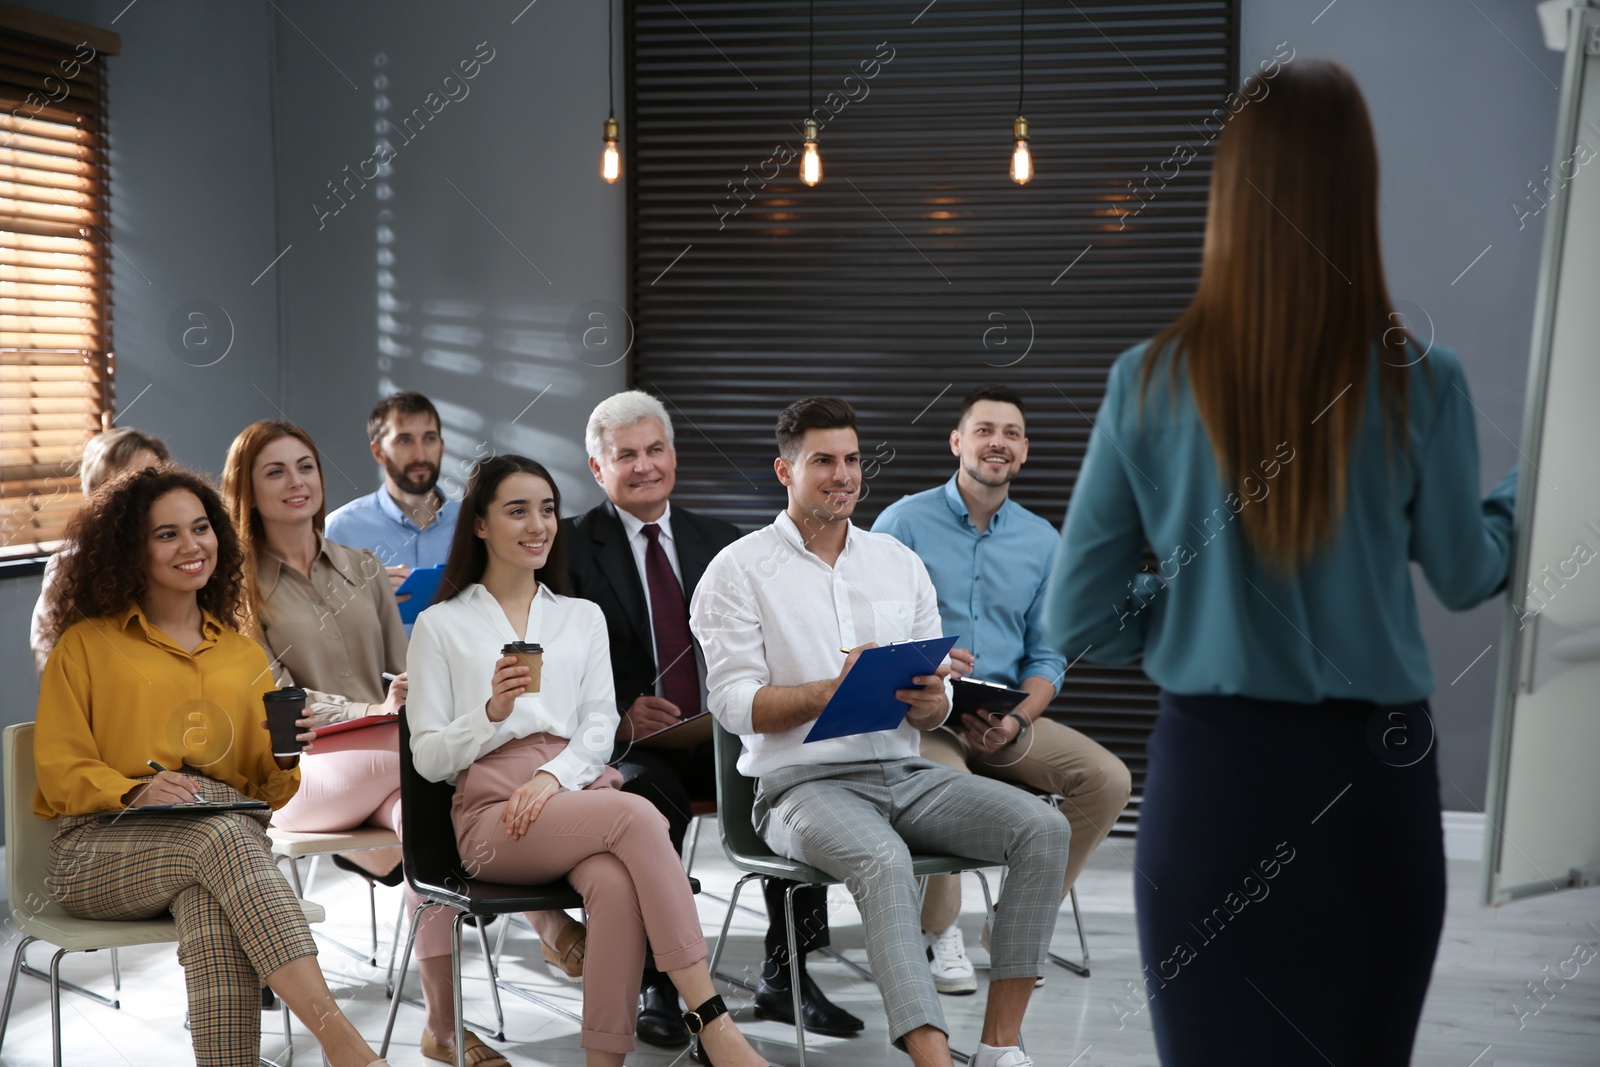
<point>916,269</point>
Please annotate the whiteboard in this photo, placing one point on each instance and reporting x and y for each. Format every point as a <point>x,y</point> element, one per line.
<point>1544,772</point>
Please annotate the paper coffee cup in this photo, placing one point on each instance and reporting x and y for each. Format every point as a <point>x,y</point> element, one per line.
<point>284,706</point>
<point>530,655</point>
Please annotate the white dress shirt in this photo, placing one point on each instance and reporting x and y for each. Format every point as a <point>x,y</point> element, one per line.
<point>771,612</point>
<point>451,660</point>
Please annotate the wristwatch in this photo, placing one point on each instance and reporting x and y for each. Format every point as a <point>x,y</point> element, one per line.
<point>1022,721</point>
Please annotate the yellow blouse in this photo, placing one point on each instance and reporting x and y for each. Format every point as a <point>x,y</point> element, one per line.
<point>117,692</point>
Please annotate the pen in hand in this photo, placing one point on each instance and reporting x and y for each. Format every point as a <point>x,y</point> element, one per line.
<point>198,799</point>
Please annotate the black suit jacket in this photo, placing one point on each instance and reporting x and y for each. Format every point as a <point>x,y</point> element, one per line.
<point>602,569</point>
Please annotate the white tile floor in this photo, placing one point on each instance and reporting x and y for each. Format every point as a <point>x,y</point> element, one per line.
<point>1486,957</point>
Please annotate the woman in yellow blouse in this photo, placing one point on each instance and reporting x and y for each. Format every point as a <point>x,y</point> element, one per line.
<point>148,667</point>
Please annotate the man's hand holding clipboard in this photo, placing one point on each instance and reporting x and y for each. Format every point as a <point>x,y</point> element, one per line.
<point>863,700</point>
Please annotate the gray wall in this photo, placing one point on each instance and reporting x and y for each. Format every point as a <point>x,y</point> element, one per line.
<point>457,269</point>
<point>192,219</point>
<point>1464,119</point>
<point>227,122</point>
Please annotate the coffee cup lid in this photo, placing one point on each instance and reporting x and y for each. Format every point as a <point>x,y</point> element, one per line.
<point>513,647</point>
<point>288,692</point>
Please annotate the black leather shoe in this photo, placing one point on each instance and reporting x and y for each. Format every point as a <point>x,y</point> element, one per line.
<point>660,1022</point>
<point>817,1013</point>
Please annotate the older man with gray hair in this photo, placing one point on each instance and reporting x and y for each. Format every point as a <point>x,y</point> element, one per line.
<point>640,559</point>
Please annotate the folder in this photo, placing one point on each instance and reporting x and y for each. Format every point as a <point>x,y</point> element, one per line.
<point>422,584</point>
<point>333,729</point>
<point>865,702</point>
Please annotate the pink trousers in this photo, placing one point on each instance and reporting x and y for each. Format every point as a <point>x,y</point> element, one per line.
<point>613,848</point>
<point>353,779</point>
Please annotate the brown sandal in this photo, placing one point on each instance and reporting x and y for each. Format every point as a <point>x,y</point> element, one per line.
<point>565,957</point>
<point>478,1054</point>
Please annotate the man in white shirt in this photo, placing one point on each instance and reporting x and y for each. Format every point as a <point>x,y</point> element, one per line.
<point>771,614</point>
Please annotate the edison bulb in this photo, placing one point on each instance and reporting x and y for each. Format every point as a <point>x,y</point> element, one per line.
<point>1021,158</point>
<point>610,159</point>
<point>810,161</point>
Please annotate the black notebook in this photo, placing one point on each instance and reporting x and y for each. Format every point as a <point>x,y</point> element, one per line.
<point>181,809</point>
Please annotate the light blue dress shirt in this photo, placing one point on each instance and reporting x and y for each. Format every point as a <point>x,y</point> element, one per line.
<point>991,585</point>
<point>1212,619</point>
<point>375,521</point>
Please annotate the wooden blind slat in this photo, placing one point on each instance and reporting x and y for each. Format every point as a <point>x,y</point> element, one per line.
<point>55,309</point>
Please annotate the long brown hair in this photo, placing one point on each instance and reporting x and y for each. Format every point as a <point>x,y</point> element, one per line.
<point>469,556</point>
<point>238,488</point>
<point>1291,305</point>
<point>105,570</point>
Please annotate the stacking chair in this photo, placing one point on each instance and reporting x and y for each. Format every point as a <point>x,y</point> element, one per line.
<point>293,844</point>
<point>747,851</point>
<point>434,869</point>
<point>40,918</point>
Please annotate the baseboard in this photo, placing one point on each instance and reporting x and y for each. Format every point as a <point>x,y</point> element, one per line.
<point>1463,835</point>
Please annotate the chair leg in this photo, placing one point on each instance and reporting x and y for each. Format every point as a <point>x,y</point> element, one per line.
<point>1081,969</point>
<point>11,986</point>
<point>722,940</point>
<point>494,984</point>
<point>394,947</point>
<point>794,970</point>
<point>455,982</point>
<point>398,986</point>
<point>288,1038</point>
<point>294,877</point>
<point>690,844</point>
<point>55,1007</point>
<point>372,917</point>
<point>116,972</point>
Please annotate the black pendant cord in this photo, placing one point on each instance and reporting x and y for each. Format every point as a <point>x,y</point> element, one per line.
<point>611,47</point>
<point>1022,38</point>
<point>811,53</point>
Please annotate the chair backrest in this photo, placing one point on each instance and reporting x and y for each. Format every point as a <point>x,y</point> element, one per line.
<point>27,835</point>
<point>736,797</point>
<point>429,841</point>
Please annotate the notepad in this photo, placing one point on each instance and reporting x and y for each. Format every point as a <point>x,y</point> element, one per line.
<point>422,584</point>
<point>355,724</point>
<point>865,702</point>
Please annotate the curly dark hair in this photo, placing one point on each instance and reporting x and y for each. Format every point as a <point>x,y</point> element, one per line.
<point>102,565</point>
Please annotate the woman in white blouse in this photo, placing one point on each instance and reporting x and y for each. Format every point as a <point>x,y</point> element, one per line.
<point>534,798</point>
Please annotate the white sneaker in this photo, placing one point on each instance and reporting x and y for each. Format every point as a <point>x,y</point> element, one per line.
<point>947,955</point>
<point>1010,1057</point>
<point>987,924</point>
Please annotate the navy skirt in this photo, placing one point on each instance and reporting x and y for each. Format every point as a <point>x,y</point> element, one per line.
<point>1289,882</point>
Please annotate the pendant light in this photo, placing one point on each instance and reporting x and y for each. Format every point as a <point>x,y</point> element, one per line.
<point>610,160</point>
<point>1021,158</point>
<point>810,162</point>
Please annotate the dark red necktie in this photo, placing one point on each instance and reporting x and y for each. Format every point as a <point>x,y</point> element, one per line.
<point>669,617</point>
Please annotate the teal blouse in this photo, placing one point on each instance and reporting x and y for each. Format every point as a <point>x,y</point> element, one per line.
<point>1212,619</point>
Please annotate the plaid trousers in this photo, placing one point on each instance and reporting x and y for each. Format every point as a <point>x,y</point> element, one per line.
<point>237,916</point>
<point>860,822</point>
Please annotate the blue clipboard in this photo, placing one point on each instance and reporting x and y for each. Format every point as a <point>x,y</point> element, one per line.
<point>864,702</point>
<point>422,584</point>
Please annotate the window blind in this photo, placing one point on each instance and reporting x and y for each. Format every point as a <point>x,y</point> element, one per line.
<point>916,269</point>
<point>56,358</point>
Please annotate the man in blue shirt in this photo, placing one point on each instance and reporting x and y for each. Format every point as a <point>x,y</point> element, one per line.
<point>989,558</point>
<point>409,522</point>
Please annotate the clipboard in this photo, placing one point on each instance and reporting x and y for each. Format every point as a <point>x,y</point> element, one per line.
<point>685,733</point>
<point>422,584</point>
<point>355,724</point>
<point>864,702</point>
<point>187,809</point>
<point>972,695</point>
